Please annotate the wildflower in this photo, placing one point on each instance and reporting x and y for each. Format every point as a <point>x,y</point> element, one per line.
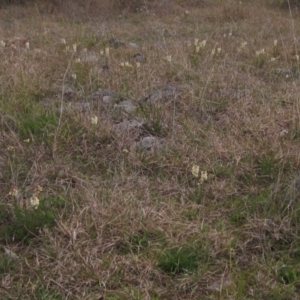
<point>230,33</point>
<point>74,47</point>
<point>275,43</point>
<point>77,60</point>
<point>14,192</point>
<point>137,64</point>
<point>260,52</point>
<point>186,12</point>
<point>219,50</point>
<point>101,52</point>
<point>26,141</point>
<point>125,151</point>
<point>27,45</point>
<point>213,51</point>
<point>94,120</point>
<point>67,48</point>
<point>203,177</point>
<point>107,51</point>
<point>196,42</point>
<point>127,64</point>
<point>197,49</point>
<point>74,76</point>
<point>84,49</point>
<point>273,59</point>
<point>296,57</point>
<point>2,44</point>
<point>122,64</point>
<point>242,46</point>
<point>63,41</point>
<point>195,170</point>
<point>202,44</point>
<point>34,201</point>
<point>37,190</point>
<point>10,148</point>
<point>168,58</point>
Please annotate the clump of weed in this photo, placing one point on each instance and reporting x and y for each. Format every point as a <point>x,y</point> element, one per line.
<point>179,260</point>
<point>25,223</point>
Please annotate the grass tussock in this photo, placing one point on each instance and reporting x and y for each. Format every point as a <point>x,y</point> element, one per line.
<point>153,155</point>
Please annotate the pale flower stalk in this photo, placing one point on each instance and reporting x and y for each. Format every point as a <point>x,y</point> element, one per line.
<point>94,120</point>
<point>260,52</point>
<point>168,58</point>
<point>202,44</point>
<point>195,170</point>
<point>34,202</point>
<point>242,46</point>
<point>203,177</point>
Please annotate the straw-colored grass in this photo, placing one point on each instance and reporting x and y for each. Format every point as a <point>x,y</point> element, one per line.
<point>211,213</point>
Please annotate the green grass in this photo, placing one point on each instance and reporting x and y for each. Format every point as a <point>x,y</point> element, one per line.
<point>179,260</point>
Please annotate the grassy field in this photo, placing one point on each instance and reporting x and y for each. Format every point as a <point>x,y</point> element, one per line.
<point>151,154</point>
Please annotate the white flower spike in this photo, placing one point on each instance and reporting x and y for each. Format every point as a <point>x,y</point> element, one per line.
<point>94,120</point>
<point>195,170</point>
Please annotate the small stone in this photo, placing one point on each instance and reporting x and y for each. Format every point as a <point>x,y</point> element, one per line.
<point>129,125</point>
<point>150,143</point>
<point>89,57</point>
<point>115,43</point>
<point>169,92</point>
<point>139,57</point>
<point>133,45</point>
<point>126,105</point>
<point>105,96</point>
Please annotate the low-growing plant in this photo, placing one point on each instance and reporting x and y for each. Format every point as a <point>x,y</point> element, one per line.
<point>179,260</point>
<point>26,223</point>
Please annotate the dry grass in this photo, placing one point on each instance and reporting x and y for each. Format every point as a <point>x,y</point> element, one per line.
<point>117,222</point>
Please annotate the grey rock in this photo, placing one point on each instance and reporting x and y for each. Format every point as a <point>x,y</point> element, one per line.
<point>139,57</point>
<point>129,125</point>
<point>106,96</point>
<point>126,105</point>
<point>150,143</point>
<point>67,91</point>
<point>115,43</point>
<point>133,45</point>
<point>89,57</point>
<point>169,92</point>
